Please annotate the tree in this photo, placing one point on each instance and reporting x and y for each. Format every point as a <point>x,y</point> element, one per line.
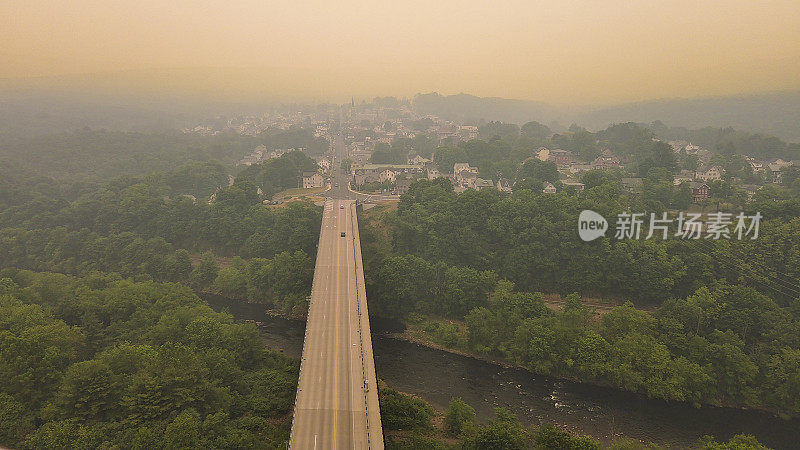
<point>403,412</point>
<point>459,416</point>
<point>503,433</point>
<point>206,272</point>
<point>231,281</point>
<point>180,265</point>
<point>346,164</point>
<point>549,436</point>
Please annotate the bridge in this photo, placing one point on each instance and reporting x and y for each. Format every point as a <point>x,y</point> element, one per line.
<point>337,394</point>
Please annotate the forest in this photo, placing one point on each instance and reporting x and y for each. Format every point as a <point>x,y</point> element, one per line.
<point>105,362</point>
<point>90,257</point>
<point>703,321</point>
<point>99,155</point>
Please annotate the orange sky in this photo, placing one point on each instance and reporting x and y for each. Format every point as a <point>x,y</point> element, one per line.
<point>558,51</point>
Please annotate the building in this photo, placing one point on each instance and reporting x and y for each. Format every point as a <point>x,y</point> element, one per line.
<point>504,185</point>
<point>579,168</point>
<point>757,166</point>
<point>713,173</point>
<point>312,180</point>
<point>481,184</point>
<point>542,154</point>
<point>387,175</point>
<point>777,168</point>
<point>605,162</point>
<point>562,158</point>
<point>467,179</point>
<point>433,173</point>
<point>700,191</point>
<point>549,188</point>
<point>362,179</point>
<point>463,167</point>
<point>468,132</point>
<point>324,164</point>
<point>577,185</point>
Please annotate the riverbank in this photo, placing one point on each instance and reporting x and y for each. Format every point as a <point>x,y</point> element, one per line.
<point>415,334</point>
<point>438,375</point>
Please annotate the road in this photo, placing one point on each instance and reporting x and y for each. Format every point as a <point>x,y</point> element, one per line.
<point>337,399</point>
<point>340,188</point>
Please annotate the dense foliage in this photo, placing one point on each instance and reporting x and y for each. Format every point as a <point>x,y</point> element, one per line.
<point>728,319</point>
<point>104,362</point>
<point>278,174</point>
<point>100,155</point>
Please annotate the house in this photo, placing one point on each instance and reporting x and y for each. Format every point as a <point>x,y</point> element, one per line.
<point>605,162</point>
<point>700,191</point>
<point>577,185</point>
<point>685,176</point>
<point>579,168</point>
<point>324,164</point>
<point>481,184</point>
<point>549,188</point>
<point>712,174</point>
<point>562,158</point>
<point>468,132</point>
<point>312,180</point>
<point>777,167</point>
<point>757,166</point>
<point>402,186</point>
<point>434,173</point>
<point>362,179</point>
<point>387,175</point>
<point>542,154</point>
<point>463,167</point>
<point>504,185</point>
<point>467,179</point>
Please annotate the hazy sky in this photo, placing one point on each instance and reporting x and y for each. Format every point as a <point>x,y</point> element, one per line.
<point>558,51</point>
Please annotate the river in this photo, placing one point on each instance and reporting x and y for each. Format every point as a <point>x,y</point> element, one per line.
<point>602,413</point>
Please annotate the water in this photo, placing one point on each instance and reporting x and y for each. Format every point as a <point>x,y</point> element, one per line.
<point>599,412</point>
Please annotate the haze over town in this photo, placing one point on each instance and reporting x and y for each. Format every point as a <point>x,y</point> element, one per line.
<point>564,53</point>
<point>448,225</point>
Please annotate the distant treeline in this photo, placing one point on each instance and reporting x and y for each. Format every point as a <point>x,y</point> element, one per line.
<point>98,155</point>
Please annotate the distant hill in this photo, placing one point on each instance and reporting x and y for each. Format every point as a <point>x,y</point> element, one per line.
<point>469,108</point>
<point>777,114</point>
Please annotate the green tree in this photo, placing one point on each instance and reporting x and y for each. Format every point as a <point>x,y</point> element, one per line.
<point>459,417</point>
<point>206,272</point>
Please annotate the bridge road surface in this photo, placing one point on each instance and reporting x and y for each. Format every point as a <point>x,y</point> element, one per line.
<point>337,400</point>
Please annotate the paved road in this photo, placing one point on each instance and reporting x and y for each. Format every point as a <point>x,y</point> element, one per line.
<point>337,402</point>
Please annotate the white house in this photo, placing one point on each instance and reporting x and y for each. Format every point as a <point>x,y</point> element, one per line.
<point>549,188</point>
<point>312,180</point>
<point>712,174</point>
<point>387,175</point>
<point>433,173</point>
